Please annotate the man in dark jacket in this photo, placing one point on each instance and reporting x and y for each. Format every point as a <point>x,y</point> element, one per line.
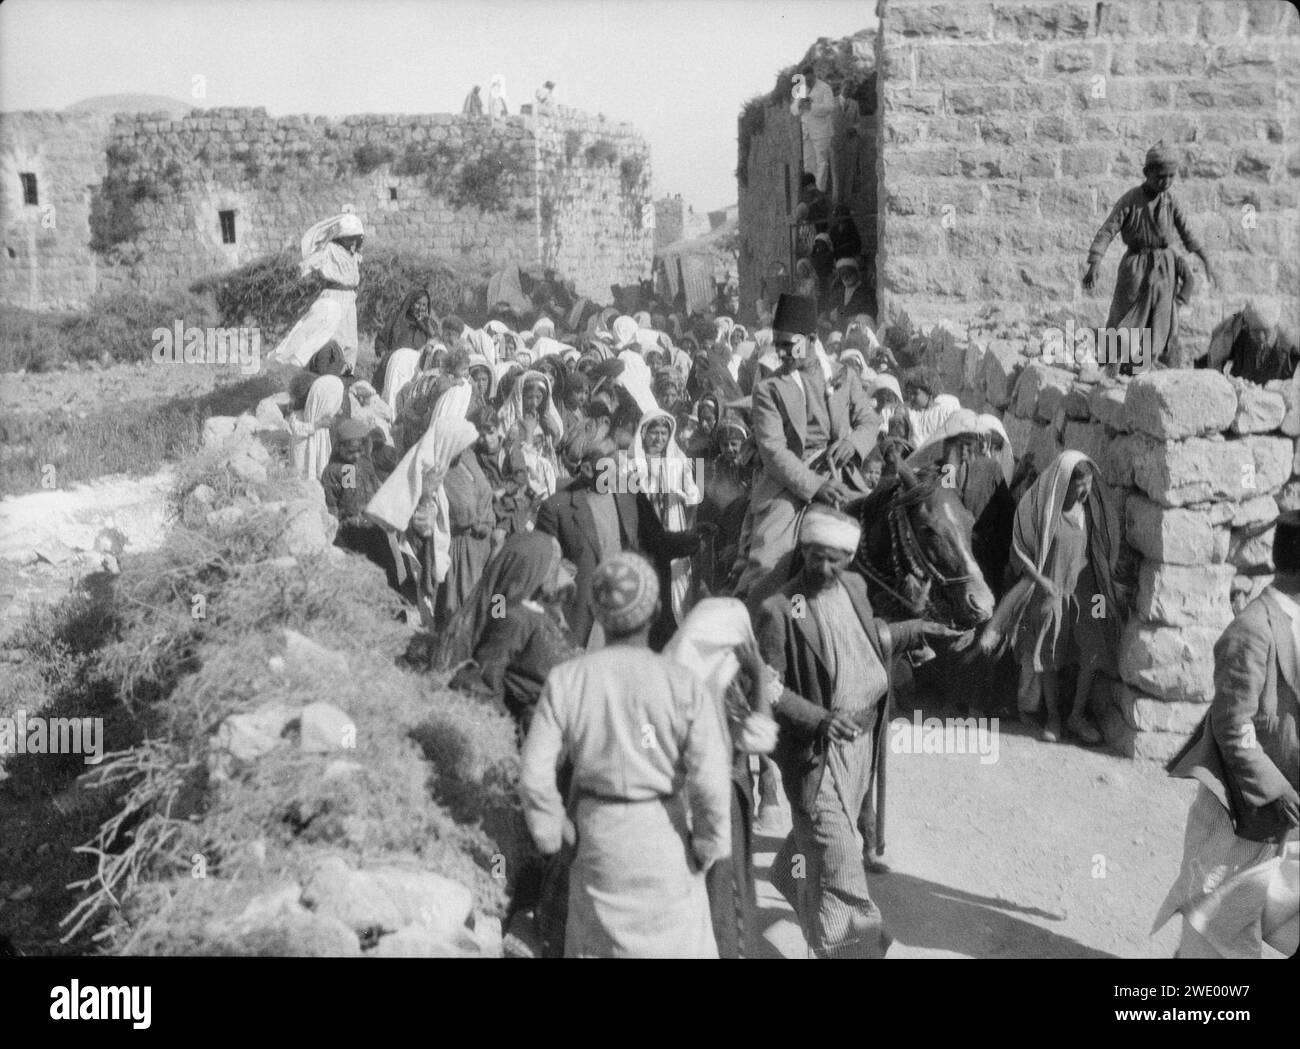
<point>1238,889</point>
<point>593,520</point>
<point>834,658</point>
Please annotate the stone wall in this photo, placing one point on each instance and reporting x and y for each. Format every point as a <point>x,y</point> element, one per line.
<point>1200,466</point>
<point>562,190</point>
<point>1009,129</point>
<point>45,258</point>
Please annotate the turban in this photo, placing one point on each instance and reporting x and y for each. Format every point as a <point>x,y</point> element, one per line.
<point>544,326</point>
<point>624,592</point>
<point>352,430</point>
<point>350,226</point>
<point>1286,542</point>
<point>1162,158</point>
<point>827,527</point>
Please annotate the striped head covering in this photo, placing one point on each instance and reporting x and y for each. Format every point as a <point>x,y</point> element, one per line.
<point>624,593</point>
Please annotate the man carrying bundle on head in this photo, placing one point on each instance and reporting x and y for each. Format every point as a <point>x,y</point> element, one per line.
<point>812,437</point>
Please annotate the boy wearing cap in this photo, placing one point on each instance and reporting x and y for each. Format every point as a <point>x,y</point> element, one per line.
<point>646,747</point>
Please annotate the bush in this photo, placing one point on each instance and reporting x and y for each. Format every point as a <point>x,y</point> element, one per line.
<point>602,151</point>
<point>370,156</point>
<point>271,290</point>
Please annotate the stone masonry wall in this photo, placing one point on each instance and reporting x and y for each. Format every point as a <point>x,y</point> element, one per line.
<point>1009,129</point>
<point>435,183</point>
<point>766,211</point>
<point>1200,466</point>
<point>45,258</point>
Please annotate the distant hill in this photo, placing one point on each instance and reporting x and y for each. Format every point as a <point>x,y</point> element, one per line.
<point>131,104</point>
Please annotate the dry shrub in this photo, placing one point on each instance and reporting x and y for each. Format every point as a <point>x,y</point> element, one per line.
<point>438,770</point>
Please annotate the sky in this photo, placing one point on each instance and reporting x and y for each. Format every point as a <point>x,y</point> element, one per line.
<point>678,70</point>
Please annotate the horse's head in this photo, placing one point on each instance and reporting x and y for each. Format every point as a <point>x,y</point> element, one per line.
<point>935,532</point>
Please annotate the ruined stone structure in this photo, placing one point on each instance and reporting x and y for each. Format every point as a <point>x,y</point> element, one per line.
<point>676,220</point>
<point>1009,129</point>
<point>772,164</point>
<point>145,202</point>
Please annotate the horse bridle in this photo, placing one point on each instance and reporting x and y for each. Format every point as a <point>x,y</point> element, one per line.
<point>909,560</point>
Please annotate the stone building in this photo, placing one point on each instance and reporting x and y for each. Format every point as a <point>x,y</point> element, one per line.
<point>771,161</point>
<point>92,202</point>
<point>676,220</point>
<point>1008,130</point>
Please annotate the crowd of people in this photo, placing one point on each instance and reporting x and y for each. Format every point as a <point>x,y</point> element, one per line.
<point>639,534</point>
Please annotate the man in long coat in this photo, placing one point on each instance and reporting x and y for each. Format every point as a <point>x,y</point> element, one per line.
<point>808,432</point>
<point>1239,888</point>
<point>835,660</point>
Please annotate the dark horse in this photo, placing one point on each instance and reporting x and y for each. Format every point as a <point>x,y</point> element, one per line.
<point>916,552</point>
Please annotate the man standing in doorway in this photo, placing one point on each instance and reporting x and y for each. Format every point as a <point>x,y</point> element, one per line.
<point>816,113</point>
<point>844,143</point>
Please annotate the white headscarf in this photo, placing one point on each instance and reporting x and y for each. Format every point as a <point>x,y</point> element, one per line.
<point>402,366</point>
<point>481,342</point>
<point>497,96</point>
<point>311,454</point>
<point>454,402</point>
<point>393,506</point>
<point>670,484</point>
<point>625,332</point>
<point>637,380</point>
<point>1007,456</point>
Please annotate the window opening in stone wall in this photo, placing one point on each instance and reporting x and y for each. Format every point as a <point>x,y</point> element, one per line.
<point>29,188</point>
<point>227,226</point>
<point>12,254</point>
<point>392,192</point>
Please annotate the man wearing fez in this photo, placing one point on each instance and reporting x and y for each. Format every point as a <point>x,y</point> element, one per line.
<point>1239,888</point>
<point>835,659</point>
<point>1152,225</point>
<point>808,432</point>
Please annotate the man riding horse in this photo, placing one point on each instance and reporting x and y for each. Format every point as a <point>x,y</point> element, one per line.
<point>812,435</point>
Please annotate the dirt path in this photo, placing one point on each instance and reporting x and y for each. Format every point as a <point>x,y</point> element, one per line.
<point>1054,851</point>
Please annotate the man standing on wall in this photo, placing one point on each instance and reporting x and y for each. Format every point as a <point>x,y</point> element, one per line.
<point>844,143</point>
<point>816,113</point>
<point>1151,223</point>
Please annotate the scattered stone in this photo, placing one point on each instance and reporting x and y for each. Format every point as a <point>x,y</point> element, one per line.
<point>54,551</point>
<point>1177,403</point>
<point>247,737</point>
<point>291,935</point>
<point>999,368</point>
<point>216,429</point>
<point>325,728</point>
<point>418,941</point>
<point>350,896</point>
<point>304,656</point>
<point>273,903</point>
<point>246,468</point>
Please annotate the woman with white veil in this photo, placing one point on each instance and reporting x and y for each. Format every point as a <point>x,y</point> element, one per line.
<point>331,249</point>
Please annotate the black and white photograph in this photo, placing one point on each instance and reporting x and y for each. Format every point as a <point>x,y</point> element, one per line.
<point>701,479</point>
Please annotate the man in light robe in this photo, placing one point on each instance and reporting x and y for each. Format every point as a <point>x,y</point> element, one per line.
<point>650,795</point>
<point>844,142</point>
<point>816,113</point>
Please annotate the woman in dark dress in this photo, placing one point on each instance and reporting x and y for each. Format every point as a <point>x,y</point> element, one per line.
<point>410,327</point>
